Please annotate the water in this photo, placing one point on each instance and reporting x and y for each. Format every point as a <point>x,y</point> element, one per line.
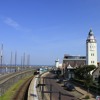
<point>7,70</point>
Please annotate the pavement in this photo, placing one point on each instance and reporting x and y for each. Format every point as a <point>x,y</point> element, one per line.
<point>85,93</point>
<point>34,94</point>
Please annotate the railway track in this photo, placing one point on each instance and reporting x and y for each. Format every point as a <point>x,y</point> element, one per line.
<point>21,94</point>
<point>2,77</point>
<point>6,81</point>
<point>6,77</point>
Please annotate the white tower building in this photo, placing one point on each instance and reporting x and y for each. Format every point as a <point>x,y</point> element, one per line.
<point>91,49</point>
<point>57,63</point>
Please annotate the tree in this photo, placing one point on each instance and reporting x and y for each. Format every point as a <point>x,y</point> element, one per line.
<point>79,73</point>
<point>82,72</point>
<point>89,68</point>
<point>99,80</point>
<point>88,81</point>
<point>58,72</point>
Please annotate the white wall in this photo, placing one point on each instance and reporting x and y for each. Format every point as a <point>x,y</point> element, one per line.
<point>91,53</point>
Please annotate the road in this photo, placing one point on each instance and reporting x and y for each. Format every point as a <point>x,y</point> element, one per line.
<point>57,88</point>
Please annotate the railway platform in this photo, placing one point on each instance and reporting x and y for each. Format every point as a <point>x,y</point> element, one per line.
<point>32,92</point>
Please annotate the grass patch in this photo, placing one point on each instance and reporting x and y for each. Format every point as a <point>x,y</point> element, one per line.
<point>87,97</point>
<point>11,91</point>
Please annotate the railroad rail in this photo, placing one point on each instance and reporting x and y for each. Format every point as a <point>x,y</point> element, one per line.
<point>22,92</point>
<point>11,75</point>
<point>8,80</point>
<point>2,77</point>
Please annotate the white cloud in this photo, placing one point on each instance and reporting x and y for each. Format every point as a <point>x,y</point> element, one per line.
<point>14,24</point>
<point>11,23</point>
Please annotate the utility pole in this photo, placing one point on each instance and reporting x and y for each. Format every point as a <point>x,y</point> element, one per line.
<point>1,54</point>
<point>50,91</point>
<point>21,63</point>
<point>59,95</point>
<point>24,60</point>
<point>28,60</point>
<point>11,62</point>
<point>15,61</point>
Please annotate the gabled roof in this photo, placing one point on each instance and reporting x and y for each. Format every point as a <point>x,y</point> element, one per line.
<point>69,67</point>
<point>96,69</point>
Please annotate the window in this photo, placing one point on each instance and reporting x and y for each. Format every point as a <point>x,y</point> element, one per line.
<point>92,54</point>
<point>92,62</point>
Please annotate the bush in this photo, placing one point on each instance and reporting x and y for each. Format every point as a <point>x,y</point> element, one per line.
<point>87,97</point>
<point>92,88</point>
<point>81,82</point>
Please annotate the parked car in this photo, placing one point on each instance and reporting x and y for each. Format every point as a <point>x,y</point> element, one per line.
<point>97,97</point>
<point>55,77</point>
<point>59,80</point>
<point>69,86</point>
<point>65,84</point>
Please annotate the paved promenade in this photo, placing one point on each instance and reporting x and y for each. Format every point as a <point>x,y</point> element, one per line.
<point>32,92</point>
<point>84,93</point>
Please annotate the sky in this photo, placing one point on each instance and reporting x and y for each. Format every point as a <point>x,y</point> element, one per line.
<point>47,29</point>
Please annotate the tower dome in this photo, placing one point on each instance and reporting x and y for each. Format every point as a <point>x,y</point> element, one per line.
<point>91,32</point>
<point>91,37</point>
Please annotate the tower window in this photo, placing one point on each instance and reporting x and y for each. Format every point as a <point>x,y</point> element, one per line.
<point>92,62</point>
<point>92,54</point>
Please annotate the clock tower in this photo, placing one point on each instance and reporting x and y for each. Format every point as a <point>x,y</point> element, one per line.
<point>91,49</point>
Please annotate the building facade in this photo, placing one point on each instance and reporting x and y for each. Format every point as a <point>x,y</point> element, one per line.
<point>70,63</point>
<point>91,49</point>
<point>74,61</point>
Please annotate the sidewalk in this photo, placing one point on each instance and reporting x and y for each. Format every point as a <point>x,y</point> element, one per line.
<point>84,93</point>
<point>32,92</point>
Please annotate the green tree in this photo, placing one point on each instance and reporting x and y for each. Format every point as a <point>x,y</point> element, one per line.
<point>82,72</point>
<point>99,80</point>
<point>89,68</point>
<point>79,73</point>
<point>88,81</point>
<point>58,72</point>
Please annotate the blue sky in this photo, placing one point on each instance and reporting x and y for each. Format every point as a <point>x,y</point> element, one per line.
<point>47,29</point>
